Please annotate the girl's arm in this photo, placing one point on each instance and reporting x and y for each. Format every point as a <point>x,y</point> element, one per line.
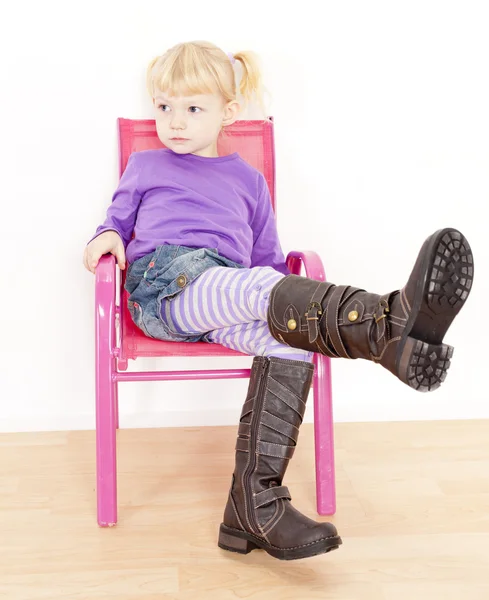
<point>267,250</point>
<point>121,214</point>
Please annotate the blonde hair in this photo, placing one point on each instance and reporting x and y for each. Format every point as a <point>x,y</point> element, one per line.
<point>199,67</point>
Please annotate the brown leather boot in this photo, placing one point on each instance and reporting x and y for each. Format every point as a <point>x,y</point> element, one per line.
<point>402,330</point>
<point>259,513</point>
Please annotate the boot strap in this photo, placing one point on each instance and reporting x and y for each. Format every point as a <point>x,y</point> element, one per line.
<point>338,297</point>
<point>314,314</point>
<point>314,311</point>
<point>266,448</point>
<point>270,495</point>
<point>279,425</point>
<point>272,422</point>
<point>378,333</point>
<point>382,308</point>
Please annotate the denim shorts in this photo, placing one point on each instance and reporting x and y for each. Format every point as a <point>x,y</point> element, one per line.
<point>162,275</point>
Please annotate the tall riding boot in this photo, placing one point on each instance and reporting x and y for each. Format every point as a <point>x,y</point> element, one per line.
<point>259,513</point>
<point>402,330</point>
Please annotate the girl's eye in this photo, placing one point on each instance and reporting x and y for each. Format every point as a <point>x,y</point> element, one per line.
<point>197,109</point>
<point>163,107</point>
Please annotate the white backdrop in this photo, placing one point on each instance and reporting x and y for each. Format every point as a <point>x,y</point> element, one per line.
<point>382,132</point>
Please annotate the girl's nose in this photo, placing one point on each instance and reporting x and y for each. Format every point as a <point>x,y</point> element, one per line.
<point>177,122</point>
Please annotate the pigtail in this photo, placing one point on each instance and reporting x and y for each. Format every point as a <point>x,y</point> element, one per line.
<point>251,84</point>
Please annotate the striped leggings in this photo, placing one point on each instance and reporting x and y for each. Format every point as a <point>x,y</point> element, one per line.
<point>230,306</point>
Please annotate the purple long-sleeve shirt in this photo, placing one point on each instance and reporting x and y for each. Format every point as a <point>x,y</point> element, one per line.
<point>190,200</point>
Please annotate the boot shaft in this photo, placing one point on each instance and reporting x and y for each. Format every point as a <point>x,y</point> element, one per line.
<point>267,436</point>
<point>336,320</point>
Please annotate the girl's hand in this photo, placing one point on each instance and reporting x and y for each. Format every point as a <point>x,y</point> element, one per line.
<point>106,242</point>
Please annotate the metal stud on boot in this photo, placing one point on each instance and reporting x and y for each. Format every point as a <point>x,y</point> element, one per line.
<point>258,512</point>
<point>403,330</point>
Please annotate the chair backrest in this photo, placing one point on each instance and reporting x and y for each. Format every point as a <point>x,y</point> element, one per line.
<point>253,139</point>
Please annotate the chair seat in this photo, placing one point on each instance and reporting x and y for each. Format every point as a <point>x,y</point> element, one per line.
<point>135,343</point>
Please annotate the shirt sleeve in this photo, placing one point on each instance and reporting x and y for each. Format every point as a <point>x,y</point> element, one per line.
<point>121,214</point>
<point>267,250</point>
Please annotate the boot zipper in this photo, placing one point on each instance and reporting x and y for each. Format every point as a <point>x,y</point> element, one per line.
<point>253,437</point>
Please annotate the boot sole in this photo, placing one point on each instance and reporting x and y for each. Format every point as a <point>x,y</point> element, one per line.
<point>242,542</point>
<point>443,287</point>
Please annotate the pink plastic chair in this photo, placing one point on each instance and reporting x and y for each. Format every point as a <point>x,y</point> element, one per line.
<point>255,143</point>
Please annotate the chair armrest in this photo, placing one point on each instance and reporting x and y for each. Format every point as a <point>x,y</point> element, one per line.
<point>105,288</point>
<point>105,270</point>
<point>311,261</point>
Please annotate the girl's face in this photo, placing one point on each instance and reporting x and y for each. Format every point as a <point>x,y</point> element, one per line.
<point>191,124</point>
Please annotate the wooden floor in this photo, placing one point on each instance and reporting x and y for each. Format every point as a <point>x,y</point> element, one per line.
<point>413,512</point>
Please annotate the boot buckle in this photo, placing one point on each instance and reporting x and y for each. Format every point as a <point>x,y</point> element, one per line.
<point>314,306</point>
<point>384,306</point>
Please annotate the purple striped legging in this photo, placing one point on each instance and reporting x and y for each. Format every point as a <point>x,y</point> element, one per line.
<point>230,306</point>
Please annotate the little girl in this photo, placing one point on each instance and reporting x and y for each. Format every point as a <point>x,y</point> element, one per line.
<point>205,263</point>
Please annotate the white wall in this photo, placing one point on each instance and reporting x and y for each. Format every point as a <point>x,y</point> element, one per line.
<point>382,131</point>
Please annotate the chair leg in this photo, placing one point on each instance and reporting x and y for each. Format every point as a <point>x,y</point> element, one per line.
<point>106,415</point>
<point>324,437</point>
<point>116,404</point>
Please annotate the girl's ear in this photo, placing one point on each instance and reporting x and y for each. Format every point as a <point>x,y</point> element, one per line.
<point>231,112</point>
